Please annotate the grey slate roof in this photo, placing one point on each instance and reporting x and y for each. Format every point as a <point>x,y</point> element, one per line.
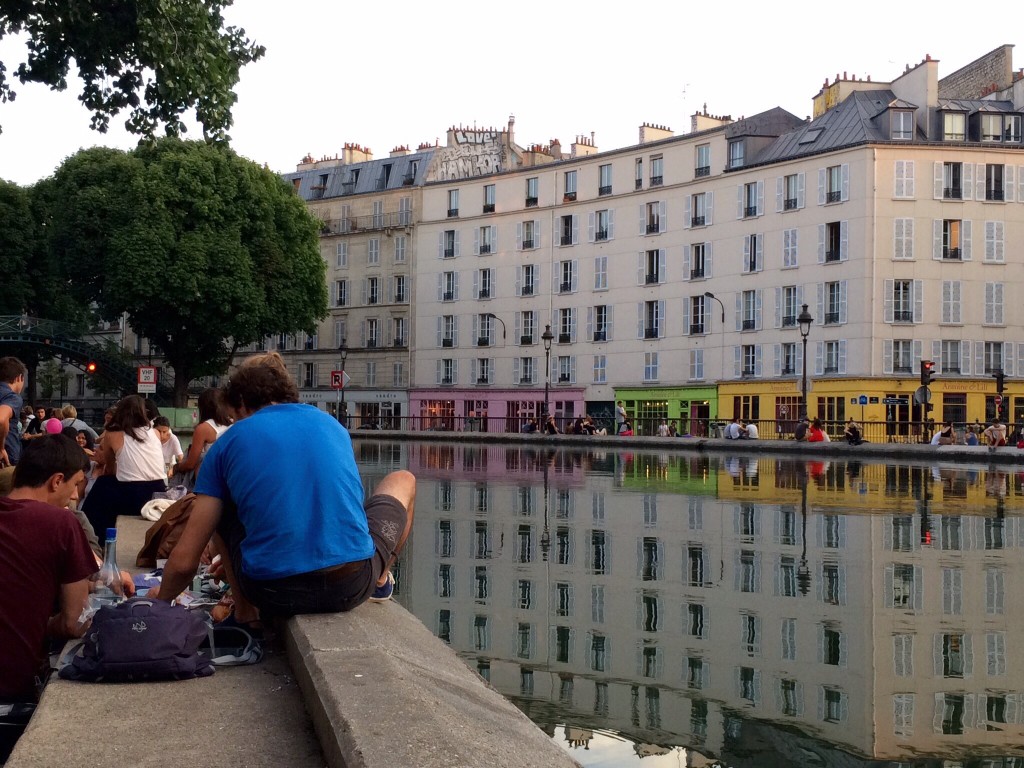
<point>370,176</point>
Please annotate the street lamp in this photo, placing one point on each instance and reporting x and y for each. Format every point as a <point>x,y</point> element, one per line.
<point>804,320</point>
<point>492,316</point>
<point>721,356</point>
<point>343,352</point>
<point>803,572</point>
<point>547,337</point>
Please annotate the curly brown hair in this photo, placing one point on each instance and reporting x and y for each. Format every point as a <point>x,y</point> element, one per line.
<point>261,380</point>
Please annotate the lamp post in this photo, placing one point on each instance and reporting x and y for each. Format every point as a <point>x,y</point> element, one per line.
<point>803,573</point>
<point>721,356</point>
<point>343,352</point>
<point>547,337</point>
<point>492,316</point>
<point>804,320</point>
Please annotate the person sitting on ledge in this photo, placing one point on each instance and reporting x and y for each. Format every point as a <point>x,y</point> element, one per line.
<point>996,434</point>
<point>295,542</point>
<point>733,430</point>
<point>945,435</point>
<point>800,432</point>
<point>853,433</point>
<point>817,433</point>
<point>970,436</point>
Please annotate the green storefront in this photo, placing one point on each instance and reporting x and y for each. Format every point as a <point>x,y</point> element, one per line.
<point>691,408</point>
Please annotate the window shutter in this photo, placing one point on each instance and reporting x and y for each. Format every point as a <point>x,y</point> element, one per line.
<point>965,357</point>
<point>899,175</point>
<point>575,229</point>
<point>937,180</point>
<point>686,263</point>
<point>640,320</point>
<point>438,372</point>
<point>757,360</point>
<point>519,236</point>
<point>516,378</point>
<point>937,239</point>
<point>746,254</point>
<point>738,372</point>
<point>897,238</point>
<point>821,243</point>
<point>707,259</point>
<point>759,254</point>
<point>590,226</point>
<point>842,355</point>
<point>979,358</point>
<point>888,304</point>
<point>574,273</point>
<point>642,217</point>
<point>710,197</point>
<point>820,319</point>
<point>686,316</point>
<point>440,245</point>
<point>494,239</point>
<point>842,301</point>
<point>757,310</point>
<point>519,279</point>
<point>740,201</point>
<point>844,175</point>
<point>641,268</point>
<point>686,215</point>
<point>780,183</point>
<point>965,248</point>
<point>456,243</point>
<point>887,356</point>
<point>777,370</point>
<point>661,319</point>
<point>608,324</point>
<point>917,352</point>
<point>663,216</point>
<point>918,301</point>
<point>739,311</point>
<point>821,186</point>
<point>819,361</point>
<point>572,368</point>
<point>760,198</point>
<point>572,323</point>
<point>844,240</point>
<point>908,181</point>
<point>476,241</point>
<point>1007,345</point>
<point>1009,187</point>
<point>517,328</point>
<point>967,190</point>
<point>476,284</point>
<point>536,233</point>
<point>979,179</point>
<point>937,355</point>
<point>590,323</point>
<point>800,179</point>
<point>662,266</point>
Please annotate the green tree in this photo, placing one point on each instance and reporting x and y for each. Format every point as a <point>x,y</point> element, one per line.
<point>52,379</point>
<point>206,251</point>
<point>155,58</point>
<point>17,242</point>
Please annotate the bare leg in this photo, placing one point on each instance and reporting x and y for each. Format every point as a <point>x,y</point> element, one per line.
<point>245,612</point>
<point>401,485</point>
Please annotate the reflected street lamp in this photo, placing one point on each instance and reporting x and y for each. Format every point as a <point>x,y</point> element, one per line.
<point>804,320</point>
<point>803,573</point>
<point>547,337</point>
<point>343,352</point>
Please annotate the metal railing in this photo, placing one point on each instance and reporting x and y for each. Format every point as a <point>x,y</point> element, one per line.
<point>377,221</point>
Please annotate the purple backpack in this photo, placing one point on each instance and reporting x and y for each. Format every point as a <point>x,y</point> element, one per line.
<point>141,640</point>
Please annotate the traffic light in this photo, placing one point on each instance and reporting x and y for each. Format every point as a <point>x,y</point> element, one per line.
<point>1000,378</point>
<point>927,371</point>
<point>90,367</point>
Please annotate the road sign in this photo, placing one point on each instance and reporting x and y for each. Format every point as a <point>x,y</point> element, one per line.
<point>894,401</point>
<point>998,399</point>
<point>922,395</point>
<point>862,400</point>
<point>339,379</point>
<point>147,380</point>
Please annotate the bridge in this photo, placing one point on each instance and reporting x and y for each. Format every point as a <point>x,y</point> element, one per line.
<point>65,342</point>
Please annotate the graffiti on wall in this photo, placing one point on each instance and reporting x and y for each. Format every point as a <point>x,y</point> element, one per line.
<point>469,153</point>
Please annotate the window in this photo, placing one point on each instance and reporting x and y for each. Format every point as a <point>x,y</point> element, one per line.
<point>569,230</point>
<point>489,197</point>
<point>833,240</point>
<point>342,254</point>
<point>993,356</point>
<point>600,273</point>
<point>902,356</point>
<point>485,284</point>
<point>340,293</point>
<point>639,173</point>
<point>485,240</point>
<point>657,169</point>
<point>1012,128</point>
<point>653,267</point>
<point>600,322</point>
<point>566,276</point>
<point>954,126</point>
<point>753,258</point>
<point>700,208</point>
<point>994,182</point>
<point>951,301</point>
<point>602,225</point>
<point>483,370</point>
<point>696,566</point>
<point>401,244</point>
<point>952,181</point>
<point>600,369</point>
<point>696,366</point>
<point>750,634</point>
<point>751,199</point>
<point>903,301</point>
<point>527,234</point>
<point>952,240</point>
<point>748,304</point>
<point>526,366</point>
<point>449,244</point>
<point>833,357</point>
<point>994,304</point>
<point>453,203</point>
<point>901,125</point>
<point>749,576</point>
<point>447,331</point>
<point>790,247</point>
<point>372,290</point>
<point>699,257</point>
<point>405,205</point>
<point>569,192</point>
<point>698,316</point>
<point>373,251</point>
<point>448,286</point>
<point>903,180</point>
<point>790,297</point>
<point>834,184</point>
<point>527,322</point>
<point>650,366</point>
<point>527,280</point>
<point>833,646</point>
<point>372,333</point>
<point>748,357</point>
<point>736,153</point>
<point>309,375</point>
<point>650,320</point>
<point>903,239</point>
<point>792,192</point>
<point>532,184</point>
<point>695,621</point>
<point>702,161</point>
<point>604,183</point>
<point>485,330</point>
<point>790,362</point>
<point>653,213</point>
<point>566,326</point>
<point>951,356</point>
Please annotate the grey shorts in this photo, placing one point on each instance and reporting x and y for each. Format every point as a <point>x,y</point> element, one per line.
<point>331,590</point>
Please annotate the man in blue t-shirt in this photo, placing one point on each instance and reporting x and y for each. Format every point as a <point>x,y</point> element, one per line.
<point>12,382</point>
<point>281,495</point>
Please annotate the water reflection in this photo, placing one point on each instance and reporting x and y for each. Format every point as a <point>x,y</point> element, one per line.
<point>725,611</point>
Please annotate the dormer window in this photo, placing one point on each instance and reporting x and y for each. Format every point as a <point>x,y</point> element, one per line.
<point>901,125</point>
<point>999,127</point>
<point>954,126</point>
<point>736,153</point>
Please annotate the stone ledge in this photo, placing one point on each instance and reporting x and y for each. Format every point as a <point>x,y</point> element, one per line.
<point>383,691</point>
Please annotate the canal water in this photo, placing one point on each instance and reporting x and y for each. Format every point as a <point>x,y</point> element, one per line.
<point>659,609</point>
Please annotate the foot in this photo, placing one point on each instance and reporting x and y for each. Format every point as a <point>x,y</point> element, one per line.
<point>384,591</point>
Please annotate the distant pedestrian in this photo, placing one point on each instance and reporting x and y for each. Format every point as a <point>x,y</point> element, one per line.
<point>663,429</point>
<point>800,432</point>
<point>12,383</point>
<point>620,416</point>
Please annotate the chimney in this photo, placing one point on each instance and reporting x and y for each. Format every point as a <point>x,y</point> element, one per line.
<point>400,151</point>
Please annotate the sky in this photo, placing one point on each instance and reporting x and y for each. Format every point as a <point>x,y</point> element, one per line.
<point>391,73</point>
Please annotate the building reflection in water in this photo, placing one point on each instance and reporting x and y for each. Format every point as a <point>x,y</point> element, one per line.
<point>743,609</point>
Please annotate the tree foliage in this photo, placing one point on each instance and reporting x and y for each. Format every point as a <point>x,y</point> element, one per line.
<point>17,239</point>
<point>204,250</point>
<point>155,58</point>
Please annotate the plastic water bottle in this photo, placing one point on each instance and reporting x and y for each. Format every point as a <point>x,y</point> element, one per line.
<point>107,588</point>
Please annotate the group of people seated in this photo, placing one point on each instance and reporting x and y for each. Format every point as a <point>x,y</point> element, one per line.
<point>303,541</point>
<point>739,429</point>
<point>581,425</point>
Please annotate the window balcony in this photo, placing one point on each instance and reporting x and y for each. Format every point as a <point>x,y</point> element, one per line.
<point>448,296</point>
<point>831,368</point>
<point>569,197</point>
<point>449,342</point>
<point>401,342</point>
<point>697,273</point>
<point>994,194</point>
<point>952,193</point>
<point>954,368</point>
<point>831,256</point>
<point>747,372</point>
<point>483,341</point>
<point>340,302</point>
<point>371,299</point>
<point>531,202</point>
<point>600,336</point>
<point>485,293</point>
<point>606,190</point>
<point>526,380</point>
<point>831,318</point>
<point>527,290</point>
<point>371,344</point>
<point>526,340</point>
<point>903,316</point>
<point>696,329</point>
<point>639,184</point>
<point>564,338</point>
<point>485,248</point>
<point>697,221</point>
<point>449,253</point>
<point>656,181</point>
<point>789,370</point>
<point>748,325</point>
<point>447,381</point>
<point>565,288</point>
<point>400,298</point>
<point>488,207</point>
<point>566,240</point>
<point>653,227</point>
<point>789,321</point>
<point>702,170</point>
<point>601,234</point>
<point>898,368</point>
<point>563,378</point>
<point>951,254</point>
<point>453,213</point>
<point>650,333</point>
<point>789,204</point>
<point>834,197</point>
<point>527,245</point>
<point>483,380</point>
<point>750,211</point>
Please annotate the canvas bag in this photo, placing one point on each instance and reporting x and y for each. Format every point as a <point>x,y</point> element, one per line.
<point>141,640</point>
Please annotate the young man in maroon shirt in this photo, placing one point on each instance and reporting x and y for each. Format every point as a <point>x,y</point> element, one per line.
<point>45,561</point>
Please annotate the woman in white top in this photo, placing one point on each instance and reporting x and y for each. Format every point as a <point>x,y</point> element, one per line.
<point>213,422</point>
<point>133,444</point>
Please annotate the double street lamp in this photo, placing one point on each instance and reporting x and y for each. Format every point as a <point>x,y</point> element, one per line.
<point>804,320</point>
<point>547,337</point>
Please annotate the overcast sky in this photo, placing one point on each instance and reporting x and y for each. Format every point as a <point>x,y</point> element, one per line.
<point>388,73</point>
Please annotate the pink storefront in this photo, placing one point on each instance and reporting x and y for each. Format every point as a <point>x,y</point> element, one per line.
<point>490,410</point>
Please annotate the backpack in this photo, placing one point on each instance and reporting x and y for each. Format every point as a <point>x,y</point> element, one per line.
<point>140,640</point>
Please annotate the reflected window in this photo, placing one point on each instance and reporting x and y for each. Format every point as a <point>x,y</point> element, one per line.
<point>750,685</point>
<point>563,546</point>
<point>649,661</point>
<point>749,577</point>
<point>787,526</point>
<point>903,655</point>
<point>951,716</point>
<point>995,591</point>
<point>444,580</point>
<point>524,641</point>
<point>601,699</point>
<point>598,552</point>
<point>481,584</point>
<point>563,644</point>
<point>444,538</point>
<point>951,533</point>
<point>903,715</point>
<point>481,633</point>
<point>444,625</point>
<point>597,604</point>
<point>835,705</point>
<point>525,594</point>
<point>481,541</point>
<point>995,653</point>
<point>833,646</point>
<point>994,528</point>
<point>952,591</point>
<point>695,620</point>
<point>563,599</point>
<point>902,533</point>
<point>695,672</point>
<point>787,576</point>
<point>649,570</point>
<point>650,611</point>
<point>526,682</point>
<point>598,658</point>
<point>832,584</point>
<point>790,702</point>
<point>953,655</point>
<point>750,634</point>
<point>696,566</point>
<point>524,544</point>
<point>789,639</point>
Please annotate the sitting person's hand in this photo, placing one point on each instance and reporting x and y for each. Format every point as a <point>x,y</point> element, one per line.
<point>127,584</point>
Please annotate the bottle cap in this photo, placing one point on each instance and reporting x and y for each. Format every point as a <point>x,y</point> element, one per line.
<point>111,533</point>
